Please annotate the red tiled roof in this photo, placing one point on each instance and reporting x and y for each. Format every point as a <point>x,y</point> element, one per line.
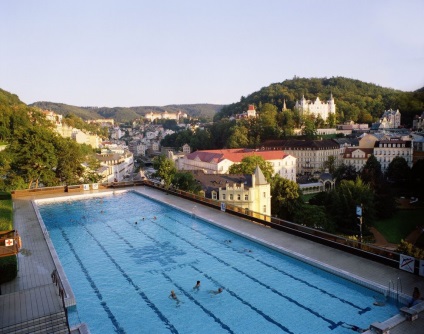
<point>234,155</point>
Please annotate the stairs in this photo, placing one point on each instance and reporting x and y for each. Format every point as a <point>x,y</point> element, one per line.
<point>54,323</point>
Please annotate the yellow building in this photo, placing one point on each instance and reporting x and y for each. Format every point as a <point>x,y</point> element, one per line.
<point>251,192</point>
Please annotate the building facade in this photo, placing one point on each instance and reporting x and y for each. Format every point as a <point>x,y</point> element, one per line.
<point>219,161</point>
<point>386,150</point>
<point>310,154</point>
<point>317,107</point>
<point>251,192</point>
<point>390,119</point>
<point>357,157</point>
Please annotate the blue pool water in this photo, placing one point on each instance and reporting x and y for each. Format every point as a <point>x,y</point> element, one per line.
<point>122,274</point>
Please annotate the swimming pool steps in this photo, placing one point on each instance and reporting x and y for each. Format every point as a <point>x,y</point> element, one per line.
<point>53,323</point>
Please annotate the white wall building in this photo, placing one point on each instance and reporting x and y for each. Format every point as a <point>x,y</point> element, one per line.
<point>219,161</point>
<point>390,119</point>
<point>386,150</point>
<point>317,107</point>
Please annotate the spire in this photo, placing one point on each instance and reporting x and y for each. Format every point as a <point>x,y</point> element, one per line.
<point>259,177</point>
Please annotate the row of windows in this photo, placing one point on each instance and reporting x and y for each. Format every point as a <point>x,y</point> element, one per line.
<point>391,152</point>
<point>231,196</point>
<point>391,145</point>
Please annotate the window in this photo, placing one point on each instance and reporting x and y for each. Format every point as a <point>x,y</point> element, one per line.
<point>223,197</point>
<point>238,197</point>
<point>231,197</point>
<point>264,209</point>
<point>264,194</point>
<point>213,195</point>
<point>246,197</point>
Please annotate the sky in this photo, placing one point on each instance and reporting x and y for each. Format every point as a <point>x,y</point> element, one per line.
<point>155,53</point>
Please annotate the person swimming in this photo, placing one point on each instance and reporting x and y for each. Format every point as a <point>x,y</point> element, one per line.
<point>173,296</point>
<point>197,286</point>
<point>216,292</point>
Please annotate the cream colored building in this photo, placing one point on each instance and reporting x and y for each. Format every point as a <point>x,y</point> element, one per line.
<point>251,192</point>
<point>310,154</point>
<point>219,161</point>
<point>357,157</point>
<point>386,150</point>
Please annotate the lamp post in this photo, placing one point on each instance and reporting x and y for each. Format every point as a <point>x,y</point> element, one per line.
<point>359,216</point>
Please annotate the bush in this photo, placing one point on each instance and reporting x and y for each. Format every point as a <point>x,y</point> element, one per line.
<point>409,249</point>
<point>8,268</point>
<point>8,264</point>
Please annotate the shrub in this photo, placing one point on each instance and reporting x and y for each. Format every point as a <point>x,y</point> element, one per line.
<point>8,268</point>
<point>409,249</point>
<point>8,264</point>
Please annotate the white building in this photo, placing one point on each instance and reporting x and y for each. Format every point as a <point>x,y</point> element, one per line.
<point>219,161</point>
<point>178,116</point>
<point>317,107</point>
<point>386,150</point>
<point>390,119</point>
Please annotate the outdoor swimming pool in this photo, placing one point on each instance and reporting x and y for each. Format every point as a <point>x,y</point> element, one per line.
<point>122,273</point>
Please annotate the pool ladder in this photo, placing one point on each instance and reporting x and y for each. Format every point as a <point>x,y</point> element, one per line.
<point>394,293</point>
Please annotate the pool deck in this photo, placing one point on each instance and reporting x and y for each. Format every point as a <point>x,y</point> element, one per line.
<point>32,296</point>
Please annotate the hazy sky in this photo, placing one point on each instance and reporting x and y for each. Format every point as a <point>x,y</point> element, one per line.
<point>139,52</point>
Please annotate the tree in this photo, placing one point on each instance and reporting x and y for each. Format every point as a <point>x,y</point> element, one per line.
<point>309,129</point>
<point>248,165</point>
<point>285,197</point>
<point>239,137</point>
<point>417,178</point>
<point>330,164</point>
<point>371,172</point>
<point>186,182</point>
<point>314,216</point>
<point>345,172</point>
<point>34,155</point>
<point>341,205</point>
<point>398,171</point>
<point>165,169</point>
<point>69,167</point>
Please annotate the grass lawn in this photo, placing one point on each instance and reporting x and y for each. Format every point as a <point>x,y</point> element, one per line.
<point>400,225</point>
<point>6,211</point>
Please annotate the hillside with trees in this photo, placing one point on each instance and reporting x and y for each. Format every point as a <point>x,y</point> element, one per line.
<point>355,100</point>
<point>35,155</point>
<point>123,114</point>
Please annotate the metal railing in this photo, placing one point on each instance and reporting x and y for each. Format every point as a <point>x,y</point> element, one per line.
<point>378,254</point>
<point>58,282</point>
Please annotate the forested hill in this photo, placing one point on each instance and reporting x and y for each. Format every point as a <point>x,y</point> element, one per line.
<point>355,100</point>
<point>123,114</point>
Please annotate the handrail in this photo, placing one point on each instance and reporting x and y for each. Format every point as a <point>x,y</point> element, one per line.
<point>58,282</point>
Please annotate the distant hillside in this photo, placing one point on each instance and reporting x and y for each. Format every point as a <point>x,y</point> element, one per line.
<point>355,100</point>
<point>122,114</point>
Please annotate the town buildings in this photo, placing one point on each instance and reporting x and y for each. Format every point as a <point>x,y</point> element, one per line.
<point>178,116</point>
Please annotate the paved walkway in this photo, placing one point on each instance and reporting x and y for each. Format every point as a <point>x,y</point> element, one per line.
<point>36,264</point>
<point>31,302</point>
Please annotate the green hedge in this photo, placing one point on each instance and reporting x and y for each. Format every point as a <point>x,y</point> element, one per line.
<point>9,264</point>
<point>8,268</point>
